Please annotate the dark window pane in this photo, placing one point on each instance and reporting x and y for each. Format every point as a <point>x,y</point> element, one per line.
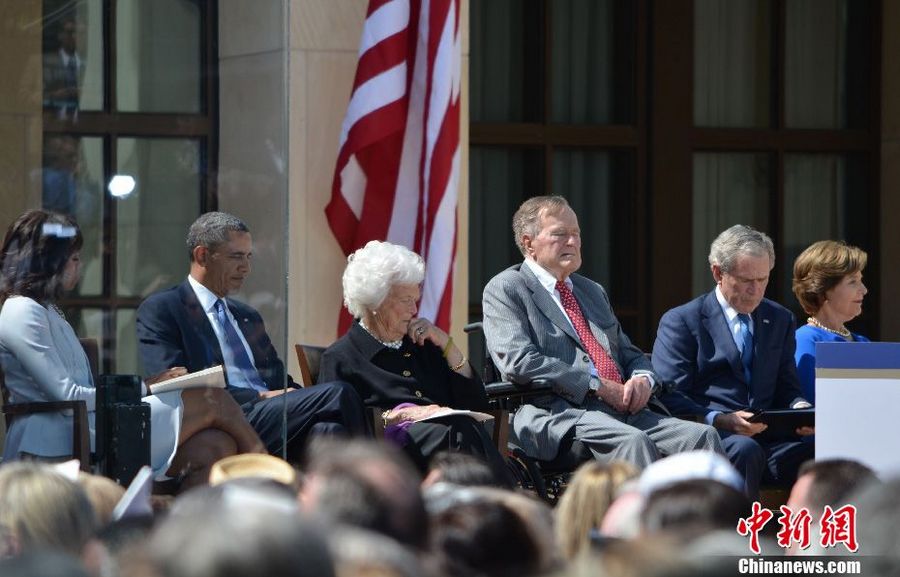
<point>732,68</point>
<point>158,63</point>
<point>599,186</point>
<point>500,179</point>
<point>592,59</point>
<point>729,189</point>
<point>152,221</point>
<point>506,73</point>
<point>825,197</point>
<point>72,43</point>
<point>72,183</point>
<point>826,63</point>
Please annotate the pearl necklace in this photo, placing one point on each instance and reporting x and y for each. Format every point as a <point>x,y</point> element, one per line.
<point>840,332</point>
<point>390,344</point>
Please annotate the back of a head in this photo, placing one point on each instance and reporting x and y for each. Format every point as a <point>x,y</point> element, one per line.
<point>878,527</point>
<point>483,537</point>
<point>591,491</point>
<point>832,481</point>
<point>359,552</point>
<point>878,511</point>
<point>688,509</point>
<point>42,563</point>
<point>233,530</point>
<point>104,494</point>
<point>41,509</point>
<point>368,485</point>
<point>463,470</point>
<point>689,465</point>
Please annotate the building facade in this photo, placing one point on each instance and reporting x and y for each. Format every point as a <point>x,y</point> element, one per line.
<point>663,122</point>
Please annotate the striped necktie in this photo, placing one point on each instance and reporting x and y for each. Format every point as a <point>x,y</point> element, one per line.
<point>238,351</point>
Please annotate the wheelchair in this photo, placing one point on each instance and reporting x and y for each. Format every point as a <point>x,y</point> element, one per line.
<point>547,479</point>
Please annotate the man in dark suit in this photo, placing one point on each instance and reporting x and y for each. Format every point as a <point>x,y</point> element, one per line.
<point>62,72</point>
<point>542,321</point>
<point>195,325</point>
<point>730,352</point>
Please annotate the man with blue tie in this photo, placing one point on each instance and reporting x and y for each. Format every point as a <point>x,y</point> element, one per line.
<point>730,353</point>
<point>196,325</point>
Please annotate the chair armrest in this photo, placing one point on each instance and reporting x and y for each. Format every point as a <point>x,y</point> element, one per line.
<point>694,418</point>
<point>507,389</point>
<point>81,440</point>
<point>501,429</point>
<point>377,422</point>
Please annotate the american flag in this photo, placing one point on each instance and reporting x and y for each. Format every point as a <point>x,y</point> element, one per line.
<point>397,171</point>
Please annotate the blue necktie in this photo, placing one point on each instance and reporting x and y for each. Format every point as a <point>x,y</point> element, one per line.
<point>747,339</point>
<point>238,352</point>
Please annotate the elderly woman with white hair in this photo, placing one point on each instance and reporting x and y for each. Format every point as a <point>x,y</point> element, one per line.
<point>403,364</point>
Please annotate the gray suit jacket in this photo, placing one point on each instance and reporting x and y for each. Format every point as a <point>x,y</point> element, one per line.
<point>530,338</point>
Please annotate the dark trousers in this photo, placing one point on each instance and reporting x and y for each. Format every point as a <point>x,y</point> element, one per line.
<point>456,433</point>
<point>773,462</point>
<point>326,408</point>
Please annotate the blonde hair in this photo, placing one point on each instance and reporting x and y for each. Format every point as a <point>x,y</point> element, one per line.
<point>103,493</point>
<point>582,507</point>
<point>40,508</point>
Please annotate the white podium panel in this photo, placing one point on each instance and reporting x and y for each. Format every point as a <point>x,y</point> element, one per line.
<point>858,404</point>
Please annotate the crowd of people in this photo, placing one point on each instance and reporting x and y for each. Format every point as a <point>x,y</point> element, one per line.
<point>360,507</point>
<point>675,461</point>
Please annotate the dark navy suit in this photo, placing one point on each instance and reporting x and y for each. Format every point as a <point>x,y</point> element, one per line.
<point>173,330</point>
<point>694,350</point>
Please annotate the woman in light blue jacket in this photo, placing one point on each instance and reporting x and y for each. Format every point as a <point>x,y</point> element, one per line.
<point>43,360</point>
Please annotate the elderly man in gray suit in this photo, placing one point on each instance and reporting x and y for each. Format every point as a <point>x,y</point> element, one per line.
<point>542,321</point>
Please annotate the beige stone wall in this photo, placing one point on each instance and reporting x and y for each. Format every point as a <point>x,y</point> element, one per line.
<point>890,175</point>
<point>253,146</point>
<point>324,39</point>
<point>20,112</point>
<point>20,107</point>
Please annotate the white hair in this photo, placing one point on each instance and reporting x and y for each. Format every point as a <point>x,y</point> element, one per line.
<point>372,271</point>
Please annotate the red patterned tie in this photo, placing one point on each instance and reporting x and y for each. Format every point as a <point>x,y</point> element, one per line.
<point>604,364</point>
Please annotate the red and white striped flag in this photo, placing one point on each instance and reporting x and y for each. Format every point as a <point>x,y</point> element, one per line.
<point>398,167</point>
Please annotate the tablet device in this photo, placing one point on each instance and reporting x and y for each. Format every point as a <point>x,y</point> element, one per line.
<point>784,422</point>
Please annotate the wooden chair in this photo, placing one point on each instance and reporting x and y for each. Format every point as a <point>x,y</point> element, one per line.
<point>309,357</point>
<point>81,439</point>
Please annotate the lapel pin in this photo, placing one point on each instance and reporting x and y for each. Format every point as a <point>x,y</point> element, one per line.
<point>765,321</point>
